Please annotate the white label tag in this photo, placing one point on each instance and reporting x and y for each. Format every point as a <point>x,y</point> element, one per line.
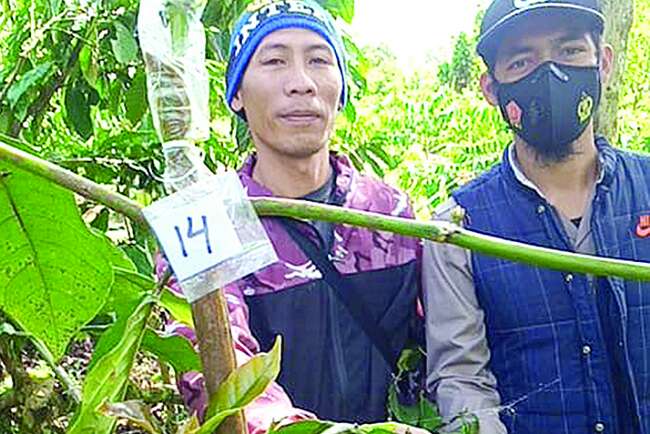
<point>194,229</point>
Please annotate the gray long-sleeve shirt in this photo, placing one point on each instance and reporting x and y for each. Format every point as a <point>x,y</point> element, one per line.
<point>457,348</point>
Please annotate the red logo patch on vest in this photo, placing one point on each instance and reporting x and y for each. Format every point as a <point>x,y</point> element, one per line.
<point>643,228</point>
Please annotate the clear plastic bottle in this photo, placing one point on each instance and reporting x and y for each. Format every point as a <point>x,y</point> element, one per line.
<point>172,39</point>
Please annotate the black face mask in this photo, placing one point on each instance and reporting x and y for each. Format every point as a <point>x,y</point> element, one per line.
<point>551,107</point>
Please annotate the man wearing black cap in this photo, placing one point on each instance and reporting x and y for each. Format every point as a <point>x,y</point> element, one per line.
<point>548,352</point>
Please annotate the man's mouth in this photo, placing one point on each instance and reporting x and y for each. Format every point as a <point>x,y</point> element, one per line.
<point>300,116</point>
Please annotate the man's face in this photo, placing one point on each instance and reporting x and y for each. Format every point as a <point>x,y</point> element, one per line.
<point>542,39</point>
<point>523,48</point>
<point>291,93</point>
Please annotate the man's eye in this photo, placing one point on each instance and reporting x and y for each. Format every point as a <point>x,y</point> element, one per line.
<point>572,51</point>
<point>320,61</point>
<point>517,65</point>
<point>272,61</point>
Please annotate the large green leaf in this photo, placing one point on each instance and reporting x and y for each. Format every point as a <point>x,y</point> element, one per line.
<point>124,45</point>
<point>88,65</point>
<point>430,418</point>
<point>175,350</point>
<point>247,382</point>
<point>403,413</point>
<point>77,107</point>
<point>136,98</point>
<point>28,79</point>
<point>107,378</point>
<point>55,275</point>
<point>125,296</point>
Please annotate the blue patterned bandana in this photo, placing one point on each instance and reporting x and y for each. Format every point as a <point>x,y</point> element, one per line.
<point>265,17</point>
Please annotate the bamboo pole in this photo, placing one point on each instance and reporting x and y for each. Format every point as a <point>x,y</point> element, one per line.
<point>437,231</point>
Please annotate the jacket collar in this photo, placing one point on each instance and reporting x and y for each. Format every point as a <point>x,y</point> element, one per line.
<point>344,172</point>
<point>606,157</point>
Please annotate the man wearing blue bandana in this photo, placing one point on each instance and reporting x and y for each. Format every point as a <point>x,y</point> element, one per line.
<point>343,298</point>
<point>530,350</point>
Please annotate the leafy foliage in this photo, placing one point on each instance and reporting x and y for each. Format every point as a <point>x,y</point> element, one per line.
<point>106,381</point>
<point>54,274</point>
<point>72,84</point>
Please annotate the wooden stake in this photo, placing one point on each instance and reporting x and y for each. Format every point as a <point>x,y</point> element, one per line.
<point>212,326</point>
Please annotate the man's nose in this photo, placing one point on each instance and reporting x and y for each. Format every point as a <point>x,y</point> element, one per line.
<point>299,82</point>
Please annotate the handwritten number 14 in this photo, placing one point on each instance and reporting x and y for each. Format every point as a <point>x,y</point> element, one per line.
<point>192,234</point>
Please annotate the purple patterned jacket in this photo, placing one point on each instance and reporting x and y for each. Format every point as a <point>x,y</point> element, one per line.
<point>329,366</point>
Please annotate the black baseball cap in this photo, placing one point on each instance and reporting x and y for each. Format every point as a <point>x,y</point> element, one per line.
<point>504,13</point>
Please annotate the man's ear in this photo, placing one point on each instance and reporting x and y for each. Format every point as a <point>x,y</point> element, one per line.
<point>237,103</point>
<point>606,63</point>
<point>489,88</point>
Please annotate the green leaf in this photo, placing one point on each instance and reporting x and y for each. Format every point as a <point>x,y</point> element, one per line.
<point>341,8</point>
<point>136,412</point>
<point>126,294</point>
<point>213,422</point>
<point>405,414</point>
<point>382,428</point>
<point>248,381</point>
<point>139,256</point>
<point>118,257</point>
<point>88,64</point>
<point>409,359</point>
<point>470,425</point>
<point>178,307</point>
<point>175,350</point>
<point>78,111</point>
<point>29,79</point>
<point>108,377</point>
<point>100,222</point>
<point>124,45</point>
<point>350,112</point>
<point>430,418</point>
<point>55,275</point>
<point>136,98</point>
<point>303,427</point>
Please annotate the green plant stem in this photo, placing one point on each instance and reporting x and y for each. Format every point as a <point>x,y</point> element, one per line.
<point>438,231</point>
<point>70,384</point>
<point>71,181</point>
<point>444,232</point>
<point>164,280</point>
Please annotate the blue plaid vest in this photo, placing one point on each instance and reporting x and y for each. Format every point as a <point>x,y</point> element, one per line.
<point>547,346</point>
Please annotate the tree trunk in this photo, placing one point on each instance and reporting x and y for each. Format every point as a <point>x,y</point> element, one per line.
<point>619,15</point>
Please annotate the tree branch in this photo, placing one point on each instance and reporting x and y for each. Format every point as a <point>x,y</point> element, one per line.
<point>438,231</point>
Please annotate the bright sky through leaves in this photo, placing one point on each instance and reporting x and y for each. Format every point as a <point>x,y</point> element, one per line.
<point>414,29</point>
